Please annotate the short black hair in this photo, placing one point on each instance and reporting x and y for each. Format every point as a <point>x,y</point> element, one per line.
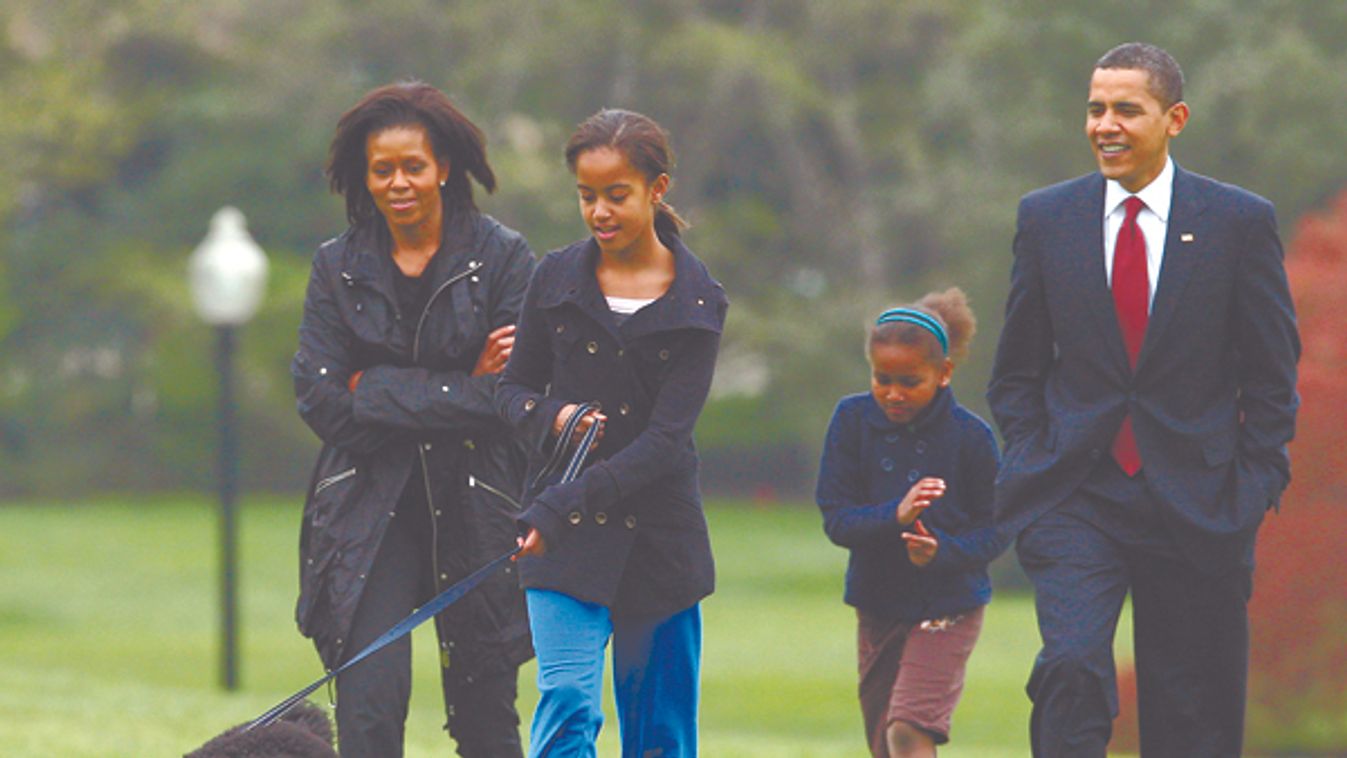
<point>1166,78</point>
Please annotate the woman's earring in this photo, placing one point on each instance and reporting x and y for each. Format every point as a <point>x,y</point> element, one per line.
<point>443,182</point>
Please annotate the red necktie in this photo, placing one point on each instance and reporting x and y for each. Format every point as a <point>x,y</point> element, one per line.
<point>1131,300</point>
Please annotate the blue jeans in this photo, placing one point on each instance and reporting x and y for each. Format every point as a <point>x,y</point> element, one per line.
<point>656,671</point>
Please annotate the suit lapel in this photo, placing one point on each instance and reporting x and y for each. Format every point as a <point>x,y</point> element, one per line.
<point>1086,265</point>
<point>1183,244</point>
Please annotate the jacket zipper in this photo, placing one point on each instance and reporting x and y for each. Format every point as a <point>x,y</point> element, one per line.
<point>331,480</point>
<point>475,482</point>
<point>421,449</point>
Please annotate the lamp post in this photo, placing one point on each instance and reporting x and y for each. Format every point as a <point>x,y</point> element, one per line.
<point>227,273</point>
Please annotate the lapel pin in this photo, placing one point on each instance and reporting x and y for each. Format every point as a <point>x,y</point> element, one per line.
<point>1186,237</point>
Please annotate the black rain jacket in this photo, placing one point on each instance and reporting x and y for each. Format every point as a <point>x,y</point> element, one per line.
<point>415,402</point>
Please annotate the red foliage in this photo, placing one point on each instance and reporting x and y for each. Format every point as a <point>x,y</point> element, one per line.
<point>1298,681</point>
<point>1298,663</point>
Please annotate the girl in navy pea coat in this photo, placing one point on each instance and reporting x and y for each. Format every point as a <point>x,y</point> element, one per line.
<point>906,485</point>
<point>628,320</point>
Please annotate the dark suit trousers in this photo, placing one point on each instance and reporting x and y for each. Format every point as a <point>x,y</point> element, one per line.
<point>1190,629</point>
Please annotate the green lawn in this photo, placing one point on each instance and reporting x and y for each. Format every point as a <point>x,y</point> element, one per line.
<point>108,637</point>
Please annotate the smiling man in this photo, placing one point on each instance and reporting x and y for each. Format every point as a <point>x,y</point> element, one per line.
<point>1145,386</point>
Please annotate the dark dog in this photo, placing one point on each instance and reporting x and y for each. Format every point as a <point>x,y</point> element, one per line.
<point>303,732</point>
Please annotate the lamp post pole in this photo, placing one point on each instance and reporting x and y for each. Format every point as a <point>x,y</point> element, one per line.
<point>229,475</point>
<point>227,275</point>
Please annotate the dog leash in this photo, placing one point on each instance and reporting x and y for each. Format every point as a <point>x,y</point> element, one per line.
<point>453,594</point>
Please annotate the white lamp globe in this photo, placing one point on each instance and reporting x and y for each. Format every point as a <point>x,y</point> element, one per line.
<point>227,271</point>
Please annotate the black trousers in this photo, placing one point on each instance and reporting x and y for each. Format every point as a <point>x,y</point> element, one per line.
<point>1190,629</point>
<point>372,697</point>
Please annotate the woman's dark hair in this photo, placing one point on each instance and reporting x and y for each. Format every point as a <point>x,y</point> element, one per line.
<point>643,142</point>
<point>412,103</point>
<point>950,308</point>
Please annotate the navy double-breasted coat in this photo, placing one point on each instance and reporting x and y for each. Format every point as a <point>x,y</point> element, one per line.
<point>629,532</point>
<point>869,463</point>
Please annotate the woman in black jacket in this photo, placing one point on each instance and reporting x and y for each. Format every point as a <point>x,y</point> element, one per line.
<point>630,320</point>
<point>408,319</point>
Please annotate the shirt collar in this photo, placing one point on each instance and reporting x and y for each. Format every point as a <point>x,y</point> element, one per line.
<point>1157,195</point>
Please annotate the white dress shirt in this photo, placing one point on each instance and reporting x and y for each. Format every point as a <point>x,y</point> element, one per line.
<point>1153,220</point>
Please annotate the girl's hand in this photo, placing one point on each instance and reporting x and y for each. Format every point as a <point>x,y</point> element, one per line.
<point>532,544</point>
<point>495,352</point>
<point>919,498</point>
<point>922,546</point>
<point>587,421</point>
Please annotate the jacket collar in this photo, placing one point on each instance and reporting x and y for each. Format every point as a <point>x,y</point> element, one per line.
<point>371,261</point>
<point>694,300</point>
<point>932,415</point>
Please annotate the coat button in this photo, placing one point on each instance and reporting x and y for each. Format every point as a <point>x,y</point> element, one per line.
<point>624,409</point>
<point>574,518</point>
<point>359,307</point>
<point>476,279</point>
<point>561,328</point>
<point>913,475</point>
<point>630,521</point>
<point>664,354</point>
<point>886,464</point>
<point>322,371</point>
<point>701,301</point>
<point>600,518</point>
<point>444,388</point>
<point>592,347</point>
<point>530,404</point>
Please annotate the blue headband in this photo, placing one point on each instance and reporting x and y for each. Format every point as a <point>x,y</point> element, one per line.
<point>924,320</point>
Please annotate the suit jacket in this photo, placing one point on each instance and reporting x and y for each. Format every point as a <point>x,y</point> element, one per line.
<point>1212,399</point>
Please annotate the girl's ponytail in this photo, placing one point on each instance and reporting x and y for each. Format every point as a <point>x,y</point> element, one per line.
<point>667,221</point>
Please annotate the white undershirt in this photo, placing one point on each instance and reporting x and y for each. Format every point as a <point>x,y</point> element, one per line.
<point>1153,220</point>
<point>627,305</point>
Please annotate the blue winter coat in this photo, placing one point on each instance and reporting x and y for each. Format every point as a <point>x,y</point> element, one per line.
<point>869,464</point>
<point>628,533</point>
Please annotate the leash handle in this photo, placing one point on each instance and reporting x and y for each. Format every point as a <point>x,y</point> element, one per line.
<point>559,449</point>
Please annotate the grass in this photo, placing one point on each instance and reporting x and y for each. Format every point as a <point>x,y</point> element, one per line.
<point>108,637</point>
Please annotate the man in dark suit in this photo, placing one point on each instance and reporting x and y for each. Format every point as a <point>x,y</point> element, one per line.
<point>1145,386</point>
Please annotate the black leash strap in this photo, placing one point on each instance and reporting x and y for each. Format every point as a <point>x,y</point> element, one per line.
<point>452,594</point>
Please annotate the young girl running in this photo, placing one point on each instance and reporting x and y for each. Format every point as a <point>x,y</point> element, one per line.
<point>906,485</point>
<point>629,321</point>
